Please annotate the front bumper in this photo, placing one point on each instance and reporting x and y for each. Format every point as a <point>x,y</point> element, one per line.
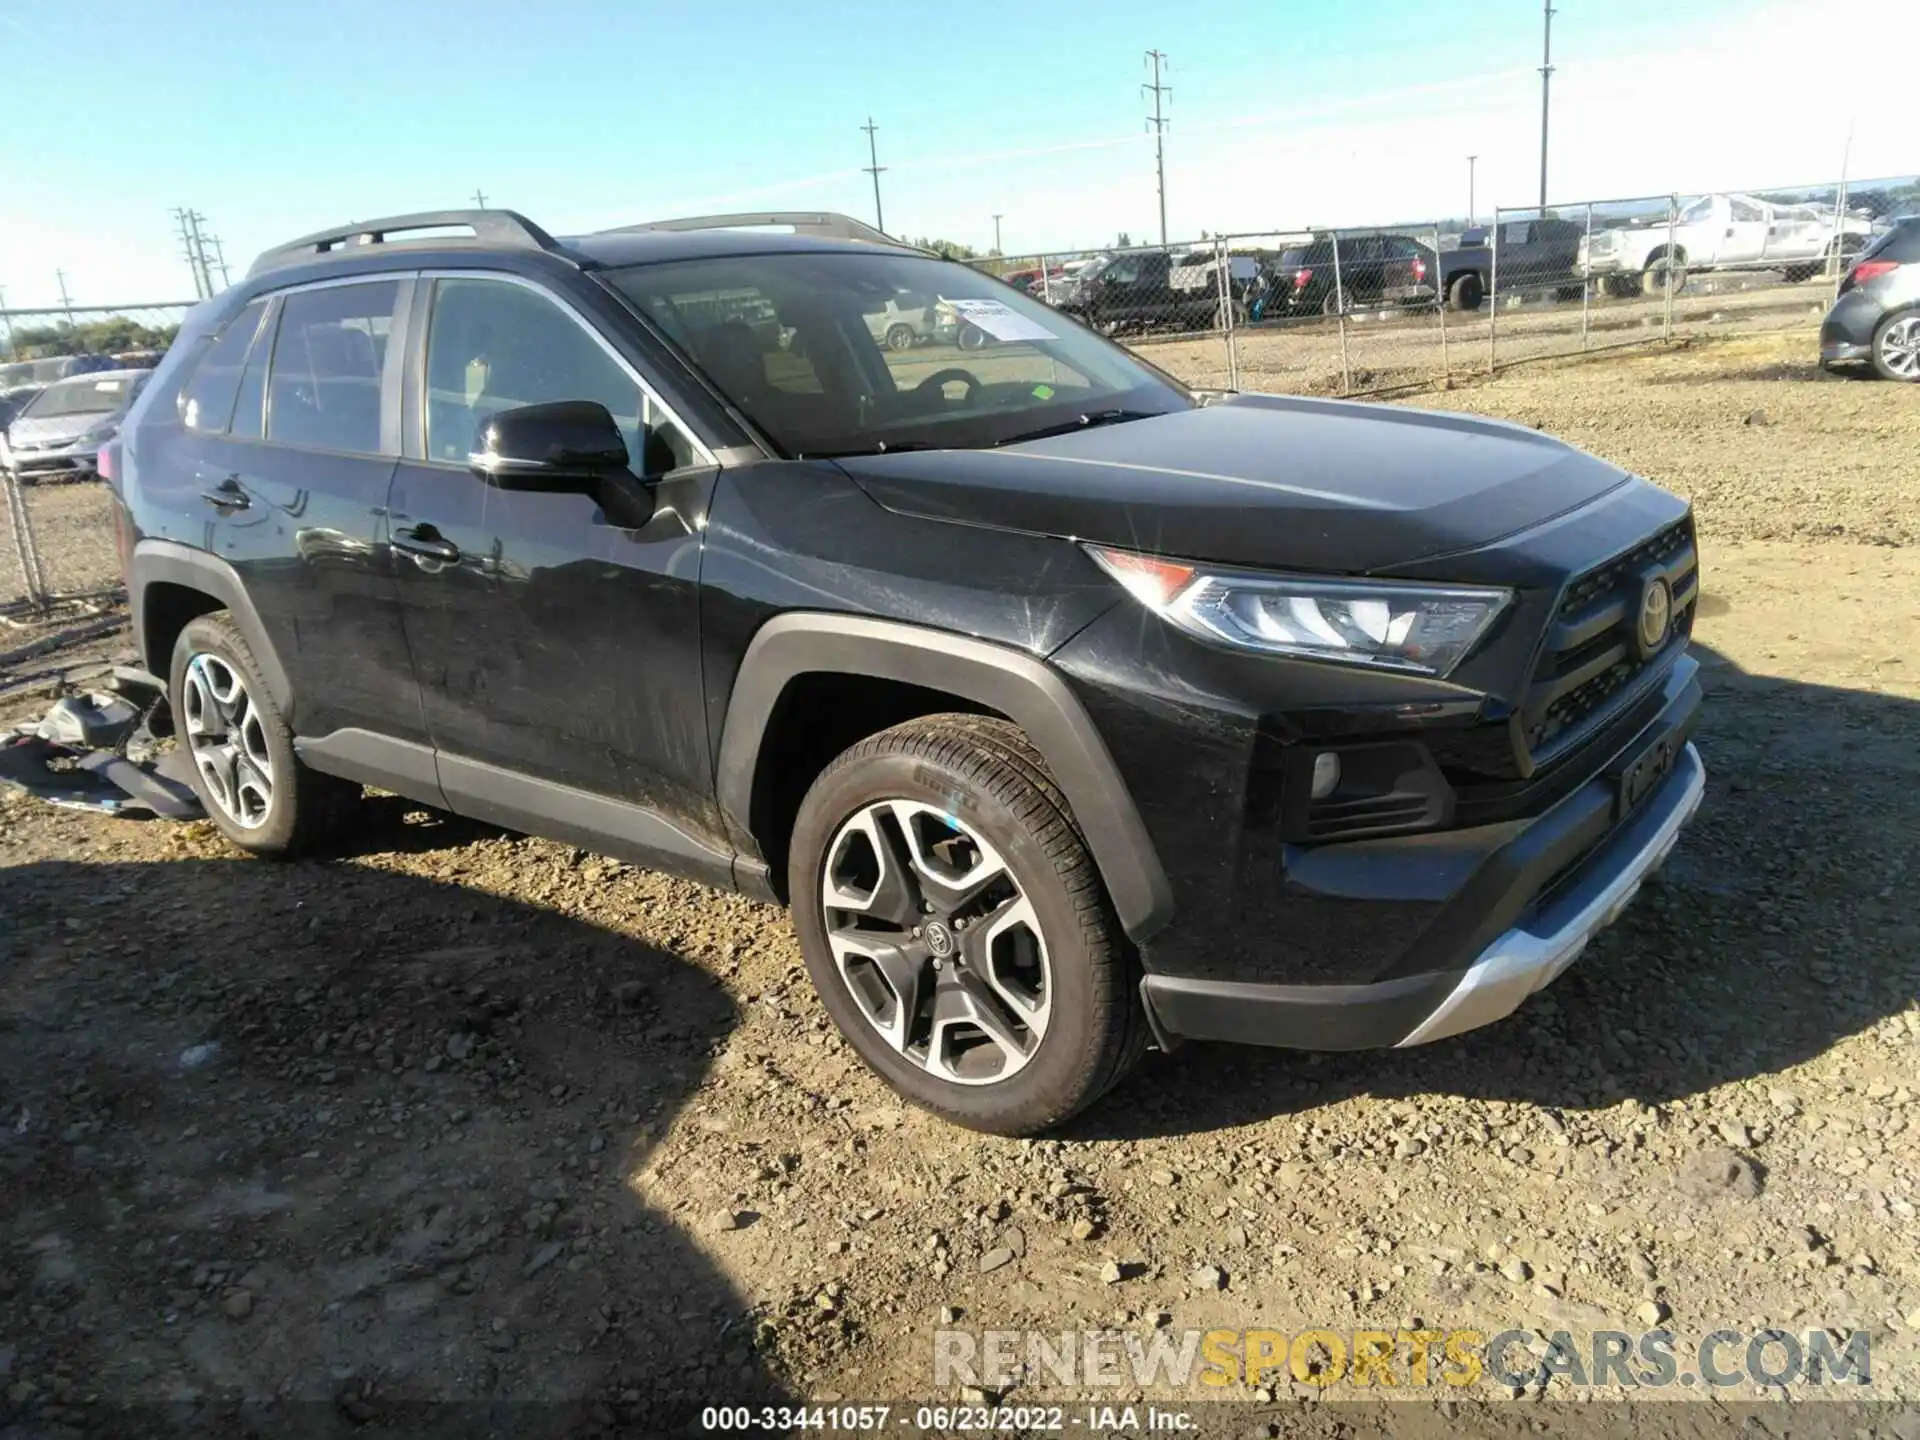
<point>72,462</point>
<point>1522,901</point>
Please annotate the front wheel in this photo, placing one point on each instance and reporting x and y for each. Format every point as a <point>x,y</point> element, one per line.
<point>1896,347</point>
<point>900,337</point>
<point>957,930</point>
<point>249,780</point>
<point>1664,277</point>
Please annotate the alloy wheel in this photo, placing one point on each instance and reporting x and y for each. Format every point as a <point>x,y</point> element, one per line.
<point>228,740</point>
<point>1900,347</point>
<point>936,942</point>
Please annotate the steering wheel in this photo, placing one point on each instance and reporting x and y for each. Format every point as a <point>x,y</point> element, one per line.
<point>939,379</point>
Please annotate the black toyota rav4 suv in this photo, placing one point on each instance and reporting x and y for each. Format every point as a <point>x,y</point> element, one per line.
<point>1069,710</point>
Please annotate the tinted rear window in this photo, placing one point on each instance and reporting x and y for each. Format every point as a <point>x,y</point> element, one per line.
<point>1901,243</point>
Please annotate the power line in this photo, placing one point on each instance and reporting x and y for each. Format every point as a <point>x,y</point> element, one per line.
<point>1158,121</point>
<point>873,167</point>
<point>1546,80</point>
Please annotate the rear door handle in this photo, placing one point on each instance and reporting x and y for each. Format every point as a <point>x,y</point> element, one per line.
<point>227,495</point>
<point>423,542</point>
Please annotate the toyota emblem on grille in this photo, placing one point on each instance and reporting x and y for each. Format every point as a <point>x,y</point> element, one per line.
<point>1656,614</point>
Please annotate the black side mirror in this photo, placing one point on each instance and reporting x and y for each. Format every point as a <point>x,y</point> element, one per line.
<point>568,446</point>
<point>564,445</point>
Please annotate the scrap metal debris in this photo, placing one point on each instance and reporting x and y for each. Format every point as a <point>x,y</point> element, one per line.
<point>97,751</point>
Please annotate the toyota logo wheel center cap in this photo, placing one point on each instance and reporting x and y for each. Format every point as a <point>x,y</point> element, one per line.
<point>939,939</point>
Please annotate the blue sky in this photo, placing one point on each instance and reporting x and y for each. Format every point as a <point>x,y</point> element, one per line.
<point>275,117</point>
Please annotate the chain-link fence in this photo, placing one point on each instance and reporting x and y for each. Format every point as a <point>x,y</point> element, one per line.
<point>67,377</point>
<point>1604,273</point>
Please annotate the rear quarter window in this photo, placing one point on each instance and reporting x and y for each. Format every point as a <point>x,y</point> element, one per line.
<point>213,379</point>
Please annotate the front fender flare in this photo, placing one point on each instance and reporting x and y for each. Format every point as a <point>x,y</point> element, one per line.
<point>1007,681</point>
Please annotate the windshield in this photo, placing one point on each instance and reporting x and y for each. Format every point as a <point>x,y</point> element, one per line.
<point>79,397</point>
<point>843,352</point>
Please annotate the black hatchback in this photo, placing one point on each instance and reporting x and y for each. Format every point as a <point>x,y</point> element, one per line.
<point>1876,317</point>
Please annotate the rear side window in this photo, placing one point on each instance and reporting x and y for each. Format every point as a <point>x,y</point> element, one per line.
<point>206,400</point>
<point>1901,243</point>
<point>323,388</point>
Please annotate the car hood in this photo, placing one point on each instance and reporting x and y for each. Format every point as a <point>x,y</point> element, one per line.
<point>1304,484</point>
<point>55,430</point>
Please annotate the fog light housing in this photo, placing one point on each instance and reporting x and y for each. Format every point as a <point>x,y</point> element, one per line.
<point>1326,774</point>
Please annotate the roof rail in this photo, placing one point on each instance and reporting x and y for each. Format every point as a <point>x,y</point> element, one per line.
<point>823,223</point>
<point>492,227</point>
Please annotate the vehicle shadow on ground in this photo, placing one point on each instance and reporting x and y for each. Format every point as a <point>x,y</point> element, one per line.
<point>1782,924</point>
<point>397,1193</point>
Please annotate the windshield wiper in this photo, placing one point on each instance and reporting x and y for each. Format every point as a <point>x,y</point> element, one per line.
<point>880,448</point>
<point>1080,422</point>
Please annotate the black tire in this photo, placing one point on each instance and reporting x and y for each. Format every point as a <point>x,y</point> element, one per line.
<point>1795,274</point>
<point>986,771</point>
<point>971,337</point>
<point>307,809</point>
<point>1466,292</point>
<point>900,337</point>
<point>1620,287</point>
<point>1664,276</point>
<point>1337,302</point>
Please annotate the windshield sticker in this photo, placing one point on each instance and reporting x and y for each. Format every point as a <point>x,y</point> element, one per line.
<point>1002,323</point>
<point>1043,392</point>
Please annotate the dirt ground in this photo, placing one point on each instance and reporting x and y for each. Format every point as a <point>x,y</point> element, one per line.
<point>470,1130</point>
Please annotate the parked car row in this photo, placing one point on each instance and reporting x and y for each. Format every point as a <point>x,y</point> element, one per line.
<point>1549,256</point>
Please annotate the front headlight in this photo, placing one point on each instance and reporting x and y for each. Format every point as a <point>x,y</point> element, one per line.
<point>1386,624</point>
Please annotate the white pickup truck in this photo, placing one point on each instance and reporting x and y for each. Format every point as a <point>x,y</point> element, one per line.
<point>1720,232</point>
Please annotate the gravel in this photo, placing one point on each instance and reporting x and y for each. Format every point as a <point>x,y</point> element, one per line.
<point>1709,1118</point>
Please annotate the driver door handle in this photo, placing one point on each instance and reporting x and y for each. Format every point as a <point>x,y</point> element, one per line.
<point>423,542</point>
<point>227,495</point>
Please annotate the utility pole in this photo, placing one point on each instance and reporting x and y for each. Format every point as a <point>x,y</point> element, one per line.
<point>194,217</point>
<point>191,255</point>
<point>996,236</point>
<point>1470,205</point>
<point>6,320</point>
<point>220,259</point>
<point>873,167</point>
<point>1546,81</point>
<point>1158,120</point>
<point>65,303</point>
<point>480,198</point>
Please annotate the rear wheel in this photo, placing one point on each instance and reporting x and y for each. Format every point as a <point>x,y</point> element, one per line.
<point>956,928</point>
<point>252,785</point>
<point>1338,302</point>
<point>1896,347</point>
<point>1466,292</point>
<point>1621,287</point>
